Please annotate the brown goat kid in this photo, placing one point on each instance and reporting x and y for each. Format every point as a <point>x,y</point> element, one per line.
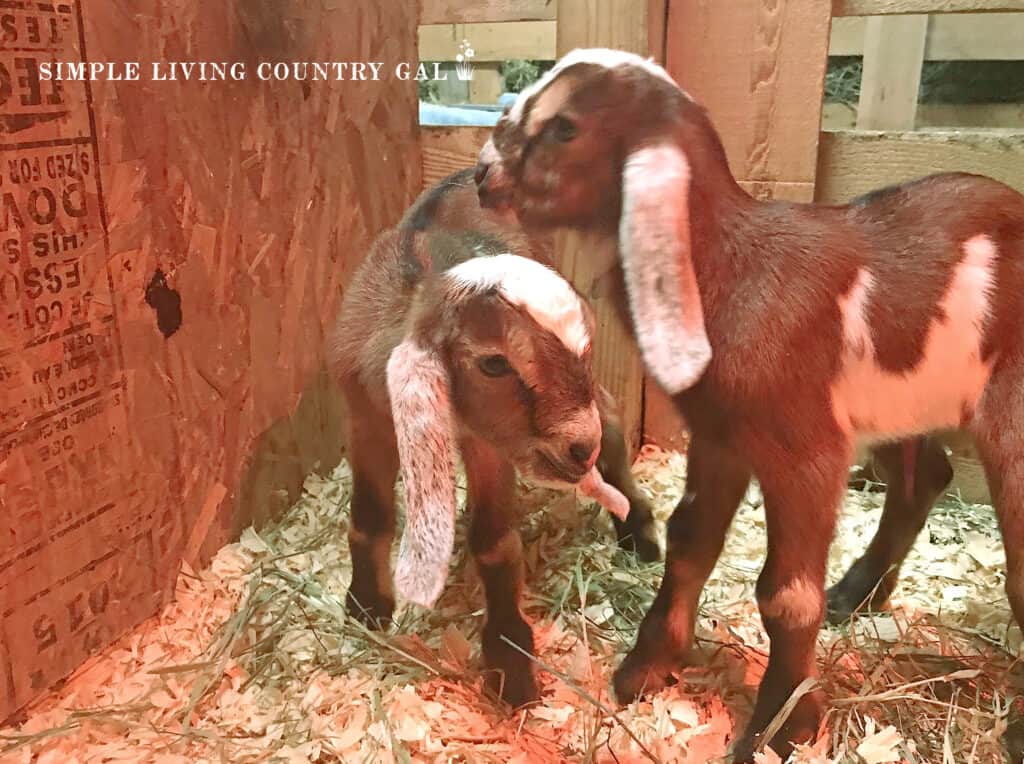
<point>452,335</point>
<point>787,333</point>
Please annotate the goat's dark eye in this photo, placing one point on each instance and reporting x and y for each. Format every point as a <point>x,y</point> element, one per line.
<point>563,129</point>
<point>495,365</point>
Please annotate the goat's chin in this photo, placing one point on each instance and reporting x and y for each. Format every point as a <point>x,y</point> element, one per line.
<point>544,481</point>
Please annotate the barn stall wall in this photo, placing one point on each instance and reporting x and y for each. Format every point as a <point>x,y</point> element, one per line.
<point>171,254</point>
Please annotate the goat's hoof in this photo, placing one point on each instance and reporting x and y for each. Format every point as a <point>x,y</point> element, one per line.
<point>800,727</point>
<point>508,672</point>
<point>643,544</point>
<point>639,532</point>
<point>842,602</point>
<point>371,609</point>
<point>637,676</point>
<point>514,688</point>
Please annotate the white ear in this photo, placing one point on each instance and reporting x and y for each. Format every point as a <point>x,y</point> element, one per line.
<point>654,240</point>
<point>421,409</point>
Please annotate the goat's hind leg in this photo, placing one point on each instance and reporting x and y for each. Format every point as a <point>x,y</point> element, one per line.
<point>498,550</point>
<point>638,533</point>
<point>373,455</point>
<point>999,435</point>
<point>916,472</point>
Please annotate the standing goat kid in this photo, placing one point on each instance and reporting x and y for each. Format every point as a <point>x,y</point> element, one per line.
<point>446,340</point>
<point>786,333</point>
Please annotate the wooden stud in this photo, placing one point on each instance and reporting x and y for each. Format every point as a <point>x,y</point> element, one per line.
<point>893,57</point>
<point>759,69</point>
<point>622,24</point>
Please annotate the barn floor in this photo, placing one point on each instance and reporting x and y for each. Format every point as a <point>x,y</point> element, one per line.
<point>255,661</point>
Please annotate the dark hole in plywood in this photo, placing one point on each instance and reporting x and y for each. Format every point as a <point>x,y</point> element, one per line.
<point>166,302</point>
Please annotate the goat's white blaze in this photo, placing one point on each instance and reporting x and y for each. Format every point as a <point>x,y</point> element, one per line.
<point>539,290</point>
<point>873,404</point>
<point>606,57</point>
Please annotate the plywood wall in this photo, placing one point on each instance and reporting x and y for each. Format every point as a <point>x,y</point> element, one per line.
<point>171,253</point>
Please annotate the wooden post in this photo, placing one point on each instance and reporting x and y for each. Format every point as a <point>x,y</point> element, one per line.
<point>619,24</point>
<point>759,69</point>
<point>893,57</point>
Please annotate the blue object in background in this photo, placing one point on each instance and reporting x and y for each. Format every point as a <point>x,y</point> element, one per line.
<point>468,114</point>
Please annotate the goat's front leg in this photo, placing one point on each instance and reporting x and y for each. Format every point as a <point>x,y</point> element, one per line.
<point>638,533</point>
<point>916,472</point>
<point>498,550</point>
<point>373,455</point>
<point>716,482</point>
<point>802,495</point>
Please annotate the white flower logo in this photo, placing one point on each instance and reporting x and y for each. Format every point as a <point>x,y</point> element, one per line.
<point>463,62</point>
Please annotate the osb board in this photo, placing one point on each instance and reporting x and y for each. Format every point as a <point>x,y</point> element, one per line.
<point>759,69</point>
<point>125,450</point>
<point>853,163</point>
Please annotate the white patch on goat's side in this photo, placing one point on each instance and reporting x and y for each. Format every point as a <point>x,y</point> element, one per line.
<point>874,404</point>
<point>539,290</point>
<point>799,604</point>
<point>654,239</point>
<point>417,382</point>
<point>606,57</point>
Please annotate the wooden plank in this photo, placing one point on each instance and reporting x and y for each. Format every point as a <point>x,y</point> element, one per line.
<point>623,24</point>
<point>657,27</point>
<point>883,7</point>
<point>893,57</point>
<point>449,149</point>
<point>969,480</point>
<point>481,11</point>
<point>487,83</point>
<point>985,37</point>
<point>491,42</point>
<point>759,69</point>
<point>852,162</point>
<point>991,116</point>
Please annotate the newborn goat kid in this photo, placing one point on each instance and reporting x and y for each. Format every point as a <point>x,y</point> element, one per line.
<point>786,333</point>
<point>443,340</point>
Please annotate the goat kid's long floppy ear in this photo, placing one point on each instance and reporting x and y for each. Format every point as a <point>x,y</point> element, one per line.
<point>654,241</point>
<point>418,387</point>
